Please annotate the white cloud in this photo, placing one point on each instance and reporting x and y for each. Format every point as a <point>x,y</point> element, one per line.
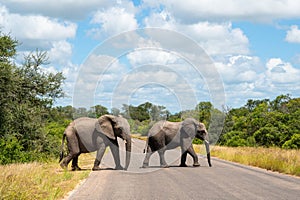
<point>215,38</point>
<point>239,69</point>
<point>245,77</point>
<point>97,77</point>
<point>112,21</point>
<point>61,52</point>
<point>293,35</point>
<point>191,11</point>
<point>280,72</point>
<point>143,82</point>
<point>49,25</point>
<point>151,56</point>
<point>35,31</point>
<point>67,9</point>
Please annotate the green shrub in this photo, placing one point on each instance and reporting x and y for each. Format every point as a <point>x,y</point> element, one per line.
<point>197,141</point>
<point>235,139</point>
<point>11,151</point>
<point>293,143</point>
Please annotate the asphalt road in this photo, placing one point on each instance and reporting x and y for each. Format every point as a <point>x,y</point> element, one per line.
<point>225,180</point>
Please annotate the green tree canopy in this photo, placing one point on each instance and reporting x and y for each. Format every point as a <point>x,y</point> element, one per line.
<point>27,93</point>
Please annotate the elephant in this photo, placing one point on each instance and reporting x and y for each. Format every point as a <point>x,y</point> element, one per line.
<point>91,134</point>
<point>165,135</point>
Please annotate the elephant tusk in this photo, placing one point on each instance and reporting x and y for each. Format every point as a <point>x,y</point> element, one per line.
<point>206,141</point>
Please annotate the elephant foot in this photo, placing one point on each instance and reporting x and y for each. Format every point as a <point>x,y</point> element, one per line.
<point>145,166</point>
<point>196,165</point>
<point>63,165</point>
<point>182,165</point>
<point>96,168</point>
<point>76,168</point>
<point>119,167</point>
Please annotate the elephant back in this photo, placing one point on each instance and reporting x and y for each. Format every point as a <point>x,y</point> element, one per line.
<point>164,126</point>
<point>84,125</point>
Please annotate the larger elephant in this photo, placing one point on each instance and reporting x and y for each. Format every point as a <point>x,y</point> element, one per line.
<point>166,135</point>
<point>89,134</point>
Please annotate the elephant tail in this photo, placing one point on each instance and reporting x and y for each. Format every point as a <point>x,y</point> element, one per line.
<point>61,155</point>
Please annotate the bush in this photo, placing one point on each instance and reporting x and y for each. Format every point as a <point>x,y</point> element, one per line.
<point>267,136</point>
<point>11,151</point>
<point>293,143</point>
<point>234,139</point>
<point>197,141</point>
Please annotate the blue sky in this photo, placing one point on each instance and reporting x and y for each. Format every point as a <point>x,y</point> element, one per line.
<point>254,48</point>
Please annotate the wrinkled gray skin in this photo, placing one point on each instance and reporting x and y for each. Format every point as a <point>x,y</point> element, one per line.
<point>88,134</point>
<point>166,135</point>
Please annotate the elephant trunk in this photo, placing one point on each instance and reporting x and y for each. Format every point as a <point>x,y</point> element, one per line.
<point>207,151</point>
<point>128,150</point>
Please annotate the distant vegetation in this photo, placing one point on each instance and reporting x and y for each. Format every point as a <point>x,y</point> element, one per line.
<point>31,127</point>
<point>265,123</point>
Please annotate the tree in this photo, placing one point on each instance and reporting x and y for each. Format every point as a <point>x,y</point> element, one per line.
<point>27,93</point>
<point>7,48</point>
<point>100,110</point>
<point>279,103</point>
<point>158,113</point>
<point>115,111</point>
<point>145,111</point>
<point>7,80</point>
<point>252,104</point>
<point>265,122</point>
<point>204,109</point>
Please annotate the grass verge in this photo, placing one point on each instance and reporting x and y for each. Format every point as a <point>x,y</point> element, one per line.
<point>275,159</point>
<point>138,136</point>
<point>41,180</point>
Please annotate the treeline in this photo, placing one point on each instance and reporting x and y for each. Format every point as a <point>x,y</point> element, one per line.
<point>264,123</point>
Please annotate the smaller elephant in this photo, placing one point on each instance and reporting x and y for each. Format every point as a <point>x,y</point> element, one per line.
<point>88,134</point>
<point>165,135</point>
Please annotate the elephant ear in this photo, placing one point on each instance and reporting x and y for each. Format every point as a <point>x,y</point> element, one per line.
<point>188,128</point>
<point>105,125</point>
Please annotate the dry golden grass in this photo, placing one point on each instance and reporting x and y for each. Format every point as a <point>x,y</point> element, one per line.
<point>41,180</point>
<point>275,159</point>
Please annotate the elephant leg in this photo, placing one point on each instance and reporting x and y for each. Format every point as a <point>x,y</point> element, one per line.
<point>99,157</point>
<point>114,147</point>
<point>192,152</point>
<point>185,143</point>
<point>147,158</point>
<point>161,153</point>
<point>73,147</point>
<point>65,161</point>
<point>75,166</point>
<point>183,159</point>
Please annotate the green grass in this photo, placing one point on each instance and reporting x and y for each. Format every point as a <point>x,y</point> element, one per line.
<point>41,180</point>
<point>275,159</point>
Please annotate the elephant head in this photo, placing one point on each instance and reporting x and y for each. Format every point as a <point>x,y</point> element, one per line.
<point>113,127</point>
<point>193,128</point>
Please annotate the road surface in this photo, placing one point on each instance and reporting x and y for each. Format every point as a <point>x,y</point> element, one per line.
<point>225,180</point>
